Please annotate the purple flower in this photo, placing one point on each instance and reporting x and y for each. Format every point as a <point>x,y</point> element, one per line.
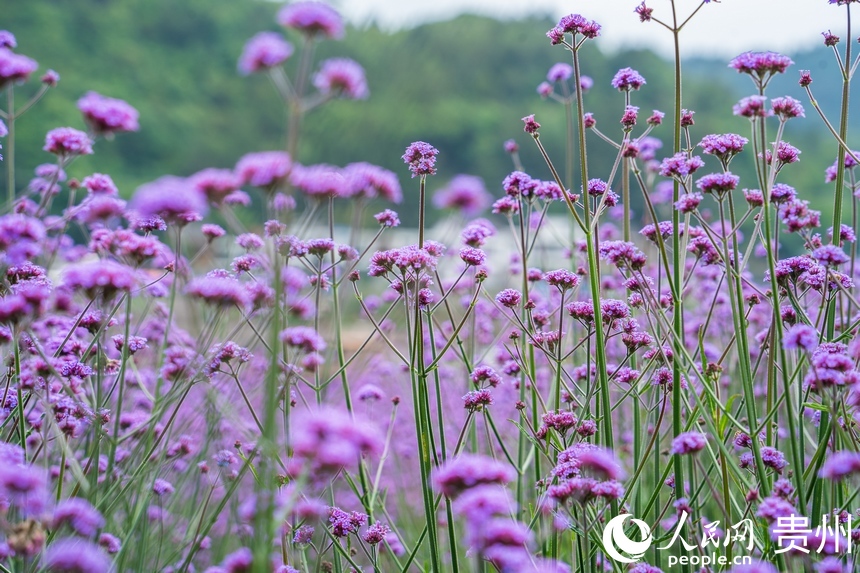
<point>50,78</point>
<point>511,146</point>
<point>263,51</point>
<point>752,107</point>
<point>773,458</point>
<point>312,18</point>
<point>786,107</point>
<point>107,115</point>
<point>680,166</point>
<point>840,465</point>
<point>387,218</point>
<point>162,487</point>
<point>7,39</point>
<point>562,279</point>
<point>800,337</point>
<point>104,278</point>
<point>724,146</point>
<point>718,183</point>
<point>343,523</point>
<point>67,141</point>
<point>110,543</point>
<point>100,184</point>
<point>600,463</point>
<point>218,291</point>
<point>304,338</point>
<point>264,168</point>
<point>530,125</point>
<point>23,486</point>
<point>467,471</point>
<point>644,12</point>
<point>75,556</point>
<point>772,508</point>
<point>509,297</point>
<point>628,120</point>
<point>369,181</point>
<point>173,199</point>
<point>342,77</point>
<point>559,72</point>
<point>689,443</point>
<point>477,232</point>
<point>215,184</point>
<point>14,67</point>
<point>376,533</point>
<point>80,515</point>
<point>544,89</point>
<point>320,180</point>
<point>627,79</point>
<point>327,440</point>
<point>688,202</point>
<point>477,399</point>
<point>239,561</point>
<point>760,65</point>
<point>211,231</point>
<point>421,158</point>
<point>622,254</point>
<point>472,256</point>
<point>466,193</point>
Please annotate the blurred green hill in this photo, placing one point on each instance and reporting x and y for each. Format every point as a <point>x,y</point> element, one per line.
<point>462,85</point>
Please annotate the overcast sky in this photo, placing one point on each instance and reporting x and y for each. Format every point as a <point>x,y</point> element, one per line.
<point>720,29</point>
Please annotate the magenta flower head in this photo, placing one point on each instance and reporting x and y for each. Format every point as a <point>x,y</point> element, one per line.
<point>174,199</point>
<point>264,168</point>
<point>369,181</point>
<point>14,68</point>
<point>644,12</point>
<point>559,73</point>
<point>67,141</point>
<point>421,158</point>
<point>467,471</point>
<point>218,291</point>
<point>724,147</point>
<point>786,107</point>
<point>466,193</point>
<point>7,39</point>
<point>761,66</point>
<point>342,77</point>
<point>263,51</point>
<point>104,278</point>
<point>75,556</point>
<point>627,79</point>
<point>312,19</point>
<point>840,465</point>
<point>689,443</point>
<point>718,183</point>
<point>511,146</point>
<point>80,515</point>
<point>509,298</point>
<point>530,125</point>
<point>107,115</point>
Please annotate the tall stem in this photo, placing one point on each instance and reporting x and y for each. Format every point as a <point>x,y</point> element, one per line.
<point>843,133</point>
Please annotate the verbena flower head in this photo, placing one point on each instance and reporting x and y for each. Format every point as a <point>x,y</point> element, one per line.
<point>71,555</point>
<point>627,79</point>
<point>786,107</point>
<point>840,465</point>
<point>560,72</point>
<point>369,181</point>
<point>688,443</point>
<point>644,12</point>
<point>761,66</point>
<point>103,278</point>
<point>263,51</point>
<point>218,291</point>
<point>264,169</point>
<point>467,471</point>
<point>80,515</point>
<point>14,67</point>
<point>7,39</point>
<point>718,183</point>
<point>341,77</point>
<point>67,142</point>
<point>107,115</point>
<point>724,147</point>
<point>421,158</point>
<point>312,19</point>
<point>466,193</point>
<point>174,199</point>
<point>573,24</point>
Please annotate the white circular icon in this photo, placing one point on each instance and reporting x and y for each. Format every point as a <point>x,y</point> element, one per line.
<point>614,539</point>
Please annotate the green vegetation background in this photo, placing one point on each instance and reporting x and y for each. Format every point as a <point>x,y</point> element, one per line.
<point>462,85</point>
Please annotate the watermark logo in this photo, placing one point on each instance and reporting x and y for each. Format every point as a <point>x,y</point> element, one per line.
<point>614,539</point>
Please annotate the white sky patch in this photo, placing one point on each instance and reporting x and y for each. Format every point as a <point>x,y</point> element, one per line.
<point>721,29</point>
